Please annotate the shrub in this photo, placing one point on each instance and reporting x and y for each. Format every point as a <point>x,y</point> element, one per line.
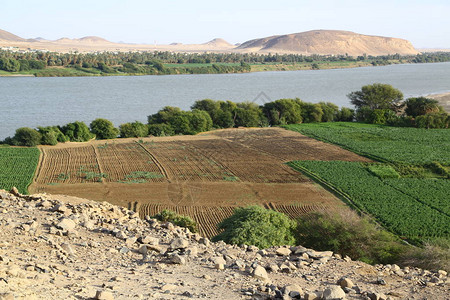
<point>179,220</point>
<point>51,135</point>
<point>383,171</point>
<point>249,114</point>
<point>160,130</point>
<point>26,136</point>
<point>433,121</point>
<point>283,112</point>
<point>254,225</point>
<point>135,129</point>
<point>433,255</point>
<point>421,106</point>
<point>345,115</point>
<point>346,233</point>
<point>76,132</point>
<point>330,111</point>
<point>103,129</point>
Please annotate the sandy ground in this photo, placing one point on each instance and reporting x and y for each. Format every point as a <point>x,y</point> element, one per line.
<point>444,100</point>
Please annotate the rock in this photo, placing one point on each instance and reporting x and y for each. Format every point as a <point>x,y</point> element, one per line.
<point>178,243</point>
<point>66,247</point>
<point>6,296</point>
<point>149,240</point>
<point>62,208</point>
<point>130,241</point>
<point>89,224</point>
<point>345,282</point>
<point>273,267</point>
<point>124,250</point>
<point>169,287</point>
<point>293,291</point>
<point>219,266</point>
<point>376,296</point>
<point>333,293</point>
<point>312,296</point>
<point>177,259</point>
<point>442,272</point>
<point>104,295</point>
<point>15,191</point>
<point>319,254</point>
<point>283,251</point>
<point>381,281</point>
<point>66,224</point>
<point>260,273</point>
<point>218,260</point>
<point>121,235</point>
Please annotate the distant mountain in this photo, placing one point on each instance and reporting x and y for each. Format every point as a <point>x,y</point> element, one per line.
<point>7,36</point>
<point>217,42</point>
<point>329,42</point>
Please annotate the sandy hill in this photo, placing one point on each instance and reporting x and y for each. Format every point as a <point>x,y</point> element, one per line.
<point>7,36</point>
<point>329,42</point>
<point>57,247</point>
<point>218,42</point>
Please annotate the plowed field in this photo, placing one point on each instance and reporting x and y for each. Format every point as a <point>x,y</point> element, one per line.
<point>203,176</point>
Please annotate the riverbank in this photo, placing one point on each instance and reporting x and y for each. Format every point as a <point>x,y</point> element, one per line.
<point>444,100</point>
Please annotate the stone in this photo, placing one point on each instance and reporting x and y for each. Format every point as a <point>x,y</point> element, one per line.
<point>293,291</point>
<point>376,296</point>
<point>66,247</point>
<point>150,240</point>
<point>333,293</point>
<point>62,208</point>
<point>312,296</point>
<point>219,266</point>
<point>6,296</point>
<point>179,243</point>
<point>121,235</point>
<point>177,259</point>
<point>66,224</point>
<point>15,191</point>
<point>104,295</point>
<point>260,273</point>
<point>130,241</point>
<point>273,267</point>
<point>218,260</point>
<point>283,251</point>
<point>124,250</point>
<point>442,273</point>
<point>169,287</point>
<point>345,282</point>
<point>89,224</point>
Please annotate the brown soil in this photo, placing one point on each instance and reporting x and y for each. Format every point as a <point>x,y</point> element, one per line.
<point>200,176</point>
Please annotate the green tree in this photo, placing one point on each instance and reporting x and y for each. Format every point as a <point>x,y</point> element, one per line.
<point>330,111</point>
<point>160,130</point>
<point>421,106</point>
<point>26,136</point>
<point>254,225</point>
<point>9,64</point>
<point>103,129</point>
<point>249,114</point>
<point>311,112</point>
<point>76,132</point>
<point>377,96</point>
<point>135,129</point>
<point>283,112</point>
<point>51,135</point>
<point>345,115</point>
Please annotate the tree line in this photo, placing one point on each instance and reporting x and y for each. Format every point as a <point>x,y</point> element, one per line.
<point>376,104</point>
<point>147,62</point>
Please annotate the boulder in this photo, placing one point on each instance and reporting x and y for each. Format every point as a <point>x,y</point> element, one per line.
<point>104,295</point>
<point>345,282</point>
<point>260,273</point>
<point>66,224</point>
<point>178,243</point>
<point>333,293</point>
<point>283,251</point>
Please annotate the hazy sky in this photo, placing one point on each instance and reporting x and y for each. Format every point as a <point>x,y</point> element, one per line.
<point>425,23</point>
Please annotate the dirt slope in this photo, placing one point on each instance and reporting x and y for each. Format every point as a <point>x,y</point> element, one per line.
<point>329,42</point>
<point>54,248</point>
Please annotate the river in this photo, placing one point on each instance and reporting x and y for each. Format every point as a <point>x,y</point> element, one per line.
<point>31,102</point>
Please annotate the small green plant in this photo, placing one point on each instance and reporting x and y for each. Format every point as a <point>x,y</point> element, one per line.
<point>383,171</point>
<point>104,146</point>
<point>179,220</point>
<point>230,178</point>
<point>63,176</point>
<point>255,225</point>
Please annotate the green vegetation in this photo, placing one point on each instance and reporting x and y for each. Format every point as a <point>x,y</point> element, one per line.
<point>140,177</point>
<point>383,143</point>
<point>383,171</point>
<point>179,220</point>
<point>254,225</point>
<point>164,63</point>
<point>411,216</point>
<point>346,233</point>
<point>135,129</point>
<point>103,129</point>
<point>77,132</point>
<point>17,167</point>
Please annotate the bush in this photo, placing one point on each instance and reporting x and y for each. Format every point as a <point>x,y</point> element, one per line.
<point>76,132</point>
<point>249,114</point>
<point>383,171</point>
<point>179,220</point>
<point>330,111</point>
<point>26,136</point>
<point>51,135</point>
<point>311,112</point>
<point>254,225</point>
<point>345,115</point>
<point>135,129</point>
<point>283,112</point>
<point>346,233</point>
<point>160,130</point>
<point>433,121</point>
<point>421,106</point>
<point>434,255</point>
<point>103,129</point>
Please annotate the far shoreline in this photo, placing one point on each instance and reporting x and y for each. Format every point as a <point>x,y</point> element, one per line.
<point>444,100</point>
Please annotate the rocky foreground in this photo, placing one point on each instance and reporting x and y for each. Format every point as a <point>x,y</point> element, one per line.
<point>53,249</point>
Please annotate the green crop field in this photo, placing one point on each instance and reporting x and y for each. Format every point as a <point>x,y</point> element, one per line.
<point>17,167</point>
<point>394,144</point>
<point>412,208</point>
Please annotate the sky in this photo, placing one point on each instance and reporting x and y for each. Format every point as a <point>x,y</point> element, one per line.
<point>425,23</point>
